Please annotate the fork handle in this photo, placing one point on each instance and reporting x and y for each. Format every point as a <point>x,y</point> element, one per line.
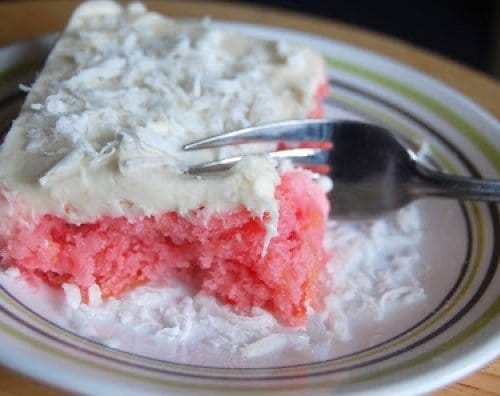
<point>433,183</point>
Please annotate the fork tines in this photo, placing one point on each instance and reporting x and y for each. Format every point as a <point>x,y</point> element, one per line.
<point>302,141</point>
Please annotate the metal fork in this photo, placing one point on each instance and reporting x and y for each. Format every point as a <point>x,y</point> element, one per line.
<point>372,171</point>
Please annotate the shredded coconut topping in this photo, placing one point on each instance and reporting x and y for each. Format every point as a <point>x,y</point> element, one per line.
<point>121,93</point>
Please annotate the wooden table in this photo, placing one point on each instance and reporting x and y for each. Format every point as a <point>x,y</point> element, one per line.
<point>25,19</point>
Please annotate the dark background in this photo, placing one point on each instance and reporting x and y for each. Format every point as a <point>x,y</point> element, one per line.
<point>466,31</point>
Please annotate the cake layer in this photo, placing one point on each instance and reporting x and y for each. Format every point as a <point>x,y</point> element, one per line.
<point>102,128</point>
<point>221,255</point>
<point>93,189</point>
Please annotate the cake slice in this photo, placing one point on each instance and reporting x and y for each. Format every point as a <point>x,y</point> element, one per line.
<point>93,188</point>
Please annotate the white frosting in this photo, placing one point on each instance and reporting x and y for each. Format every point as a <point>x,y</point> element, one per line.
<point>102,128</point>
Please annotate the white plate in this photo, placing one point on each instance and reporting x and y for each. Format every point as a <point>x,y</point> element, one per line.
<point>457,333</point>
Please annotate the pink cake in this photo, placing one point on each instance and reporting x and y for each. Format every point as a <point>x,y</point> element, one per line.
<point>92,185</point>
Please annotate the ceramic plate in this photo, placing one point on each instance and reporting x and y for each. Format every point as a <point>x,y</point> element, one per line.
<point>454,333</point>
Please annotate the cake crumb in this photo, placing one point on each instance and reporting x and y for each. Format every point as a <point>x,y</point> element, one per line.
<point>73,295</point>
<point>95,296</point>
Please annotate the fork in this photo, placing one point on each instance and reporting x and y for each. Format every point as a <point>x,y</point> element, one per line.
<point>372,171</point>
